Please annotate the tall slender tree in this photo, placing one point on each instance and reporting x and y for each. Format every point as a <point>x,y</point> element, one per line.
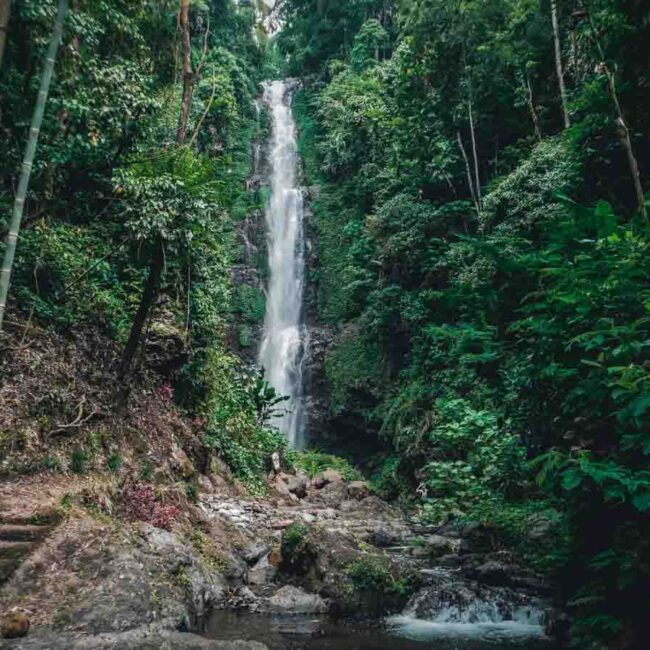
<point>5,10</point>
<point>188,74</point>
<point>558,63</point>
<point>156,267</point>
<point>28,160</point>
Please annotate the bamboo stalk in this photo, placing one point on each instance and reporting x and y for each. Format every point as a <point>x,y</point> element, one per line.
<point>28,160</point>
<point>5,11</point>
<point>558,63</point>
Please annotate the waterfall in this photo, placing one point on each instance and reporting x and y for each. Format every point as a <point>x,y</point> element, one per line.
<point>285,340</point>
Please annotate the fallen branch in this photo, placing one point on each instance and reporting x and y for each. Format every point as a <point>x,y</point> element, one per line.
<point>79,421</point>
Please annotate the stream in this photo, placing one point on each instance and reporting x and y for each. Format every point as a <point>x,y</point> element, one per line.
<point>324,633</point>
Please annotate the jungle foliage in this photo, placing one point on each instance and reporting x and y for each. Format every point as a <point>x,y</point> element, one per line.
<point>113,189</point>
<point>491,268</point>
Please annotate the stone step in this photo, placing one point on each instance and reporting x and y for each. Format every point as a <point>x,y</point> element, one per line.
<point>11,550</point>
<point>19,537</point>
<point>23,532</point>
<point>398,549</point>
<point>7,568</point>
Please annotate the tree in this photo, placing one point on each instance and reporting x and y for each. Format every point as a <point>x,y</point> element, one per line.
<point>156,267</point>
<point>188,75</point>
<point>558,64</point>
<point>28,161</point>
<point>5,10</point>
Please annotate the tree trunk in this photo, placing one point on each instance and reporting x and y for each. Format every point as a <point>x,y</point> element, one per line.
<point>469,174</point>
<point>621,125</point>
<point>5,10</point>
<point>152,286</point>
<point>148,298</point>
<point>188,75</point>
<point>531,107</point>
<point>558,63</point>
<point>475,154</point>
<point>626,142</point>
<point>28,160</point>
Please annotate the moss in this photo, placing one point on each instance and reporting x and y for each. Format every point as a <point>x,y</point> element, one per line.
<point>207,550</point>
<point>377,586</point>
<point>249,302</point>
<point>353,367</point>
<point>245,335</point>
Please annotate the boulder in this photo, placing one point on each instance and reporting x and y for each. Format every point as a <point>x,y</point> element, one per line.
<point>332,495</point>
<point>383,538</point>
<point>14,625</point>
<point>371,507</point>
<point>307,517</point>
<point>255,551</point>
<point>358,490</point>
<point>279,488</point>
<point>493,573</point>
<point>540,525</point>
<point>478,538</point>
<point>292,600</point>
<point>262,573</point>
<point>439,545</point>
<point>205,484</point>
<point>327,477</point>
<point>298,485</point>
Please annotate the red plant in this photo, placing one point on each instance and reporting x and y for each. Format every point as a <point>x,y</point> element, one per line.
<point>140,504</point>
<point>167,392</point>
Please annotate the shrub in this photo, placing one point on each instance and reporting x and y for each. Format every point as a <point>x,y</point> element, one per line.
<point>140,504</point>
<point>377,585</point>
<point>79,461</point>
<point>114,462</point>
<point>315,462</point>
<point>297,553</point>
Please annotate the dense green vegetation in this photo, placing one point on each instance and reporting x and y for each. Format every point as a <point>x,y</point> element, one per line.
<point>114,190</point>
<point>491,267</point>
<point>483,246</point>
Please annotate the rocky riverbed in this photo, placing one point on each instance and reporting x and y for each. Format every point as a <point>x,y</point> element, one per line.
<point>313,546</point>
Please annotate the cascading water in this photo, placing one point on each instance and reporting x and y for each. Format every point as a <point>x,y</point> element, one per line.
<point>451,607</point>
<point>285,340</point>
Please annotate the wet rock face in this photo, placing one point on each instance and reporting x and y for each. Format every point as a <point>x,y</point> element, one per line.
<point>248,285</point>
<point>321,338</point>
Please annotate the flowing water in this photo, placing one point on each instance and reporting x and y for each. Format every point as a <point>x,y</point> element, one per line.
<point>303,632</point>
<point>285,340</point>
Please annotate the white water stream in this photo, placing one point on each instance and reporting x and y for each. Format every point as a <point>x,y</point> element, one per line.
<point>285,340</point>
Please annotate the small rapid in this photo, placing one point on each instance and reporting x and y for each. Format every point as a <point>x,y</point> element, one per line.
<point>451,607</point>
<point>285,340</point>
